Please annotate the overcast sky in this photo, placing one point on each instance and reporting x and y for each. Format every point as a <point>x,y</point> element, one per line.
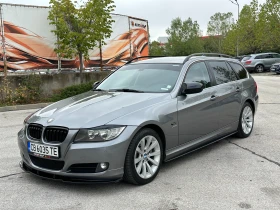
<point>159,13</point>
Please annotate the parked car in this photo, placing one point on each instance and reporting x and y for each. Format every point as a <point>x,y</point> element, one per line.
<point>240,57</point>
<point>275,68</point>
<point>260,62</point>
<point>145,113</point>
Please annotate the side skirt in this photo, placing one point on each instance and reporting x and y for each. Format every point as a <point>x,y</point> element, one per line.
<point>200,147</point>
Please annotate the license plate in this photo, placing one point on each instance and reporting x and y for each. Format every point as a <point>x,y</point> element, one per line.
<point>43,150</point>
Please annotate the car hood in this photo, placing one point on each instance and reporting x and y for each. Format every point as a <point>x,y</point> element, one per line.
<point>92,109</point>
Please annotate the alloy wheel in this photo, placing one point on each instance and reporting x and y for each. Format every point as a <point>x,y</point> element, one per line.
<point>147,157</point>
<point>247,120</point>
<point>259,68</point>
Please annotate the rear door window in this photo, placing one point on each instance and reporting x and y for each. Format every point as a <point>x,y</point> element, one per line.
<point>260,57</point>
<point>268,56</point>
<point>221,72</point>
<point>239,70</point>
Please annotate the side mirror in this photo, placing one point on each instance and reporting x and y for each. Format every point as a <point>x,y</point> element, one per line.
<point>95,84</point>
<point>191,88</point>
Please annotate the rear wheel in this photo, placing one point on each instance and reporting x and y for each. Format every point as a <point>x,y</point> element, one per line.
<point>246,121</point>
<point>144,157</point>
<point>259,68</point>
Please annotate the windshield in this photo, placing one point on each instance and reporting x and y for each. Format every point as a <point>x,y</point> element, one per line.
<point>156,78</point>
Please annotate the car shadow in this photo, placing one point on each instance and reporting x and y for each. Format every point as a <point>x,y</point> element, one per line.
<point>197,154</point>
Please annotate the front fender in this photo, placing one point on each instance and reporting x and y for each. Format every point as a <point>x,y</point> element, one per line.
<point>163,114</point>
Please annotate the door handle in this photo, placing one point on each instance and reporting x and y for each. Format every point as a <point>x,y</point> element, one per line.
<point>238,89</point>
<point>213,98</point>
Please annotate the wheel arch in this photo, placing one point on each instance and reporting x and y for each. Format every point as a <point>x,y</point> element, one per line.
<point>259,64</point>
<point>250,101</point>
<point>161,134</point>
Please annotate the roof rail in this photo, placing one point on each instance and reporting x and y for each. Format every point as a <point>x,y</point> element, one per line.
<point>130,61</point>
<point>207,55</point>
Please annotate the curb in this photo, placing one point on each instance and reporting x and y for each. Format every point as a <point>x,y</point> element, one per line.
<point>23,107</point>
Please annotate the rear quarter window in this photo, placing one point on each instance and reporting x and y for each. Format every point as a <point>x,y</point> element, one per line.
<point>239,70</point>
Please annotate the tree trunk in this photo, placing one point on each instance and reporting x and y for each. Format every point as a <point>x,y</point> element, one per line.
<point>5,68</point>
<point>81,66</point>
<point>101,58</point>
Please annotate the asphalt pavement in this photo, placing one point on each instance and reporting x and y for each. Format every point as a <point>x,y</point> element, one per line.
<point>231,174</point>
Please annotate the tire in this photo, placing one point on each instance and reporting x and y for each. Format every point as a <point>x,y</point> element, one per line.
<point>246,121</point>
<point>259,68</point>
<point>146,174</point>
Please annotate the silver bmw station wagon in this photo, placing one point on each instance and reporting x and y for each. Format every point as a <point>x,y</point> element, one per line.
<point>145,113</point>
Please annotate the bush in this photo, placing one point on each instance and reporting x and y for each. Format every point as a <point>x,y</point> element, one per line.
<point>28,91</point>
<point>70,91</point>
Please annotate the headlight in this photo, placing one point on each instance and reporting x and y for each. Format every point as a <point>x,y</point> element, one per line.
<point>105,133</point>
<point>21,133</point>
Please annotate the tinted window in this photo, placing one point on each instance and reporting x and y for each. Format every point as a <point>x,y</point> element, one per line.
<point>221,72</point>
<point>239,70</point>
<point>198,73</point>
<point>276,56</point>
<point>159,78</point>
<point>263,56</point>
<point>259,57</point>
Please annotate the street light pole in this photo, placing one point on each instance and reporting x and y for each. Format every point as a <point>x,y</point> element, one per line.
<point>237,44</point>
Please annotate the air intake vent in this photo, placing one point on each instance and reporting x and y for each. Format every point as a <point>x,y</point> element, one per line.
<point>47,163</point>
<point>35,131</point>
<point>83,168</point>
<point>55,134</point>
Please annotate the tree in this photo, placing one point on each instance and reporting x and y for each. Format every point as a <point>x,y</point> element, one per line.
<point>218,27</point>
<point>156,49</point>
<point>80,26</point>
<point>210,44</point>
<point>245,31</point>
<point>183,38</point>
<point>269,26</point>
<point>230,41</point>
<point>248,28</point>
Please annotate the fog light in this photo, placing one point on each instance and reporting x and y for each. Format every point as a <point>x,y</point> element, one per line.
<point>104,166</point>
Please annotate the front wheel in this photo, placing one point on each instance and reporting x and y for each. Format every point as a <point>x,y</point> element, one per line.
<point>144,157</point>
<point>246,121</point>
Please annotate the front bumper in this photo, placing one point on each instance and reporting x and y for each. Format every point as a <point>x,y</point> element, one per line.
<point>72,179</point>
<point>275,70</point>
<point>112,152</point>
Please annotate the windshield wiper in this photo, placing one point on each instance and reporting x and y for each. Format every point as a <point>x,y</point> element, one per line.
<point>126,90</point>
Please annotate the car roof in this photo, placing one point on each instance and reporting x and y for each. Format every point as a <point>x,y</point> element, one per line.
<point>177,60</point>
<point>263,53</point>
<point>180,59</point>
